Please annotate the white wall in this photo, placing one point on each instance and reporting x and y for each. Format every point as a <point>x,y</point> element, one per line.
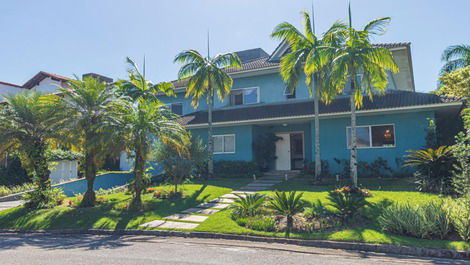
<point>46,86</point>
<point>125,163</point>
<point>6,89</point>
<point>63,171</point>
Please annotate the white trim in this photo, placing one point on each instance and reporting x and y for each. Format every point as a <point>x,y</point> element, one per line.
<point>243,95</point>
<point>330,115</point>
<point>370,136</point>
<point>223,143</point>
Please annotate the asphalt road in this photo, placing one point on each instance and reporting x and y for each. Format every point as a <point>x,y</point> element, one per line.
<point>9,204</point>
<point>124,250</point>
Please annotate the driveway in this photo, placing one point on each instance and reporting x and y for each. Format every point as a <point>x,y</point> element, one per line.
<point>10,204</point>
<point>126,250</point>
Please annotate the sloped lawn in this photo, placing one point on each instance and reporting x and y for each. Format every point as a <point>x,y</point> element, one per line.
<point>384,192</point>
<point>113,213</point>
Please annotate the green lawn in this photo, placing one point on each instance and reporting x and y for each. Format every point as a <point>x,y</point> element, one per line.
<point>113,213</point>
<point>384,192</point>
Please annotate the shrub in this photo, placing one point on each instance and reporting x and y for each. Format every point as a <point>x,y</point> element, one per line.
<point>228,169</point>
<point>316,209</point>
<point>429,220</point>
<point>264,150</point>
<point>460,215</point>
<point>248,205</point>
<point>433,169</point>
<point>287,204</point>
<point>4,190</point>
<point>13,173</point>
<point>461,152</point>
<point>309,168</point>
<point>348,200</point>
<point>164,194</point>
<point>38,199</point>
<point>260,223</point>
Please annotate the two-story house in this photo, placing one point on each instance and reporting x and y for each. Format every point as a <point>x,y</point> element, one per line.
<point>389,125</point>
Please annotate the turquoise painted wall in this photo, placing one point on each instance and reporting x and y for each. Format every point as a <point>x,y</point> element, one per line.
<point>409,134</point>
<point>243,141</point>
<point>187,107</point>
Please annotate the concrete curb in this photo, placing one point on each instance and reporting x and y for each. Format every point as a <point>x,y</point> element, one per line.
<point>383,248</point>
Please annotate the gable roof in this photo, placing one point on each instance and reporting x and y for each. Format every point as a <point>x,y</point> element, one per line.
<point>291,109</point>
<point>10,84</point>
<point>41,76</point>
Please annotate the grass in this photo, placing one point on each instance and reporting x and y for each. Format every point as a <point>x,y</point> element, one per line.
<point>385,192</point>
<point>113,213</point>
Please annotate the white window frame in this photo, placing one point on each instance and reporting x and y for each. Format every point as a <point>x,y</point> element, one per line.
<point>243,95</point>
<point>223,143</point>
<point>370,136</point>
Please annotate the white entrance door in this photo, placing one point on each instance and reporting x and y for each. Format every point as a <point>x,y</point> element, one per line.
<point>283,152</point>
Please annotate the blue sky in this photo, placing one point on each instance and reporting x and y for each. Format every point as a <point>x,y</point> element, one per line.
<point>76,37</point>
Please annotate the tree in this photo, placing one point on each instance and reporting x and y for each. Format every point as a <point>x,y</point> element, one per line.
<point>461,153</point>
<point>86,107</point>
<point>206,76</point>
<point>455,84</point>
<point>355,56</point>
<point>287,204</point>
<point>141,121</point>
<point>455,57</point>
<point>307,56</point>
<point>27,125</point>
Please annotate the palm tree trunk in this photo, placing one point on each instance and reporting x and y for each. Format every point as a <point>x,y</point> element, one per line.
<point>288,225</point>
<point>316,99</point>
<point>210,140</point>
<point>40,166</point>
<point>353,161</point>
<point>139,168</point>
<point>89,198</point>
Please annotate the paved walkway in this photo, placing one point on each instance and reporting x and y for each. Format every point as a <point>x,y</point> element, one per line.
<point>9,204</point>
<point>192,217</point>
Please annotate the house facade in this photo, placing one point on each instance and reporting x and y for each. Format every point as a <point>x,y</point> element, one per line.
<point>259,103</point>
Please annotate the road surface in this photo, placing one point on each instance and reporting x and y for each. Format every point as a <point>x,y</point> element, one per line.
<point>9,204</point>
<point>127,250</point>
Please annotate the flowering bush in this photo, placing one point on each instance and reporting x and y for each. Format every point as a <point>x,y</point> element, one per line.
<point>163,194</point>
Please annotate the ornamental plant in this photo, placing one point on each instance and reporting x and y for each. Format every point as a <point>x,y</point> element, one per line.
<point>348,200</point>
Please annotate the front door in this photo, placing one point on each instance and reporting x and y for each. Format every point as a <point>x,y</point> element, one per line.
<point>283,161</point>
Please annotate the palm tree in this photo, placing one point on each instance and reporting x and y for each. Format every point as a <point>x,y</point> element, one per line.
<point>141,122</point>
<point>358,56</point>
<point>87,112</point>
<point>455,57</point>
<point>307,56</point>
<point>206,76</point>
<point>27,125</point>
<point>287,204</point>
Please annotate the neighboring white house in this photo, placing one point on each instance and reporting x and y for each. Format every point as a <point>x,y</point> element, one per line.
<point>7,89</point>
<point>64,170</point>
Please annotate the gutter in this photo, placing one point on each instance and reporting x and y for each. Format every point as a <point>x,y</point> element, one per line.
<point>328,115</point>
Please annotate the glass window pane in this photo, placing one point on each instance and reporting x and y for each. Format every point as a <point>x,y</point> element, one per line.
<point>229,144</point>
<point>250,96</point>
<point>218,144</point>
<point>236,97</point>
<point>383,135</point>
<point>362,136</point>
<point>177,108</point>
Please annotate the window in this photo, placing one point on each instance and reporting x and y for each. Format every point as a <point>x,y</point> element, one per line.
<point>289,93</point>
<point>373,136</point>
<point>176,108</point>
<point>244,96</point>
<point>224,144</point>
<point>347,86</point>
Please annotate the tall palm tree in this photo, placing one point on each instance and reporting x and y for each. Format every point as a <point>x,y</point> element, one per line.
<point>142,121</point>
<point>455,57</point>
<point>358,56</point>
<point>87,107</point>
<point>307,57</point>
<point>27,125</point>
<point>206,76</point>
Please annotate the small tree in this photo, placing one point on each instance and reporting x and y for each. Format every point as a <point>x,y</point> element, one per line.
<point>180,166</point>
<point>287,204</point>
<point>264,149</point>
<point>461,152</point>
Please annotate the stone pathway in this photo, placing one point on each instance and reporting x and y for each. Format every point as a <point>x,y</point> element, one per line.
<point>190,218</point>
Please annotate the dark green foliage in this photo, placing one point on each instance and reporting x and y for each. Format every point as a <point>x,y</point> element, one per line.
<point>287,204</point>
<point>264,150</point>
<point>13,173</point>
<point>461,152</point>
<point>59,154</point>
<point>377,168</point>
<point>309,168</point>
<point>433,169</point>
<point>43,199</point>
<point>235,168</point>
<point>347,201</point>
<point>248,205</point>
